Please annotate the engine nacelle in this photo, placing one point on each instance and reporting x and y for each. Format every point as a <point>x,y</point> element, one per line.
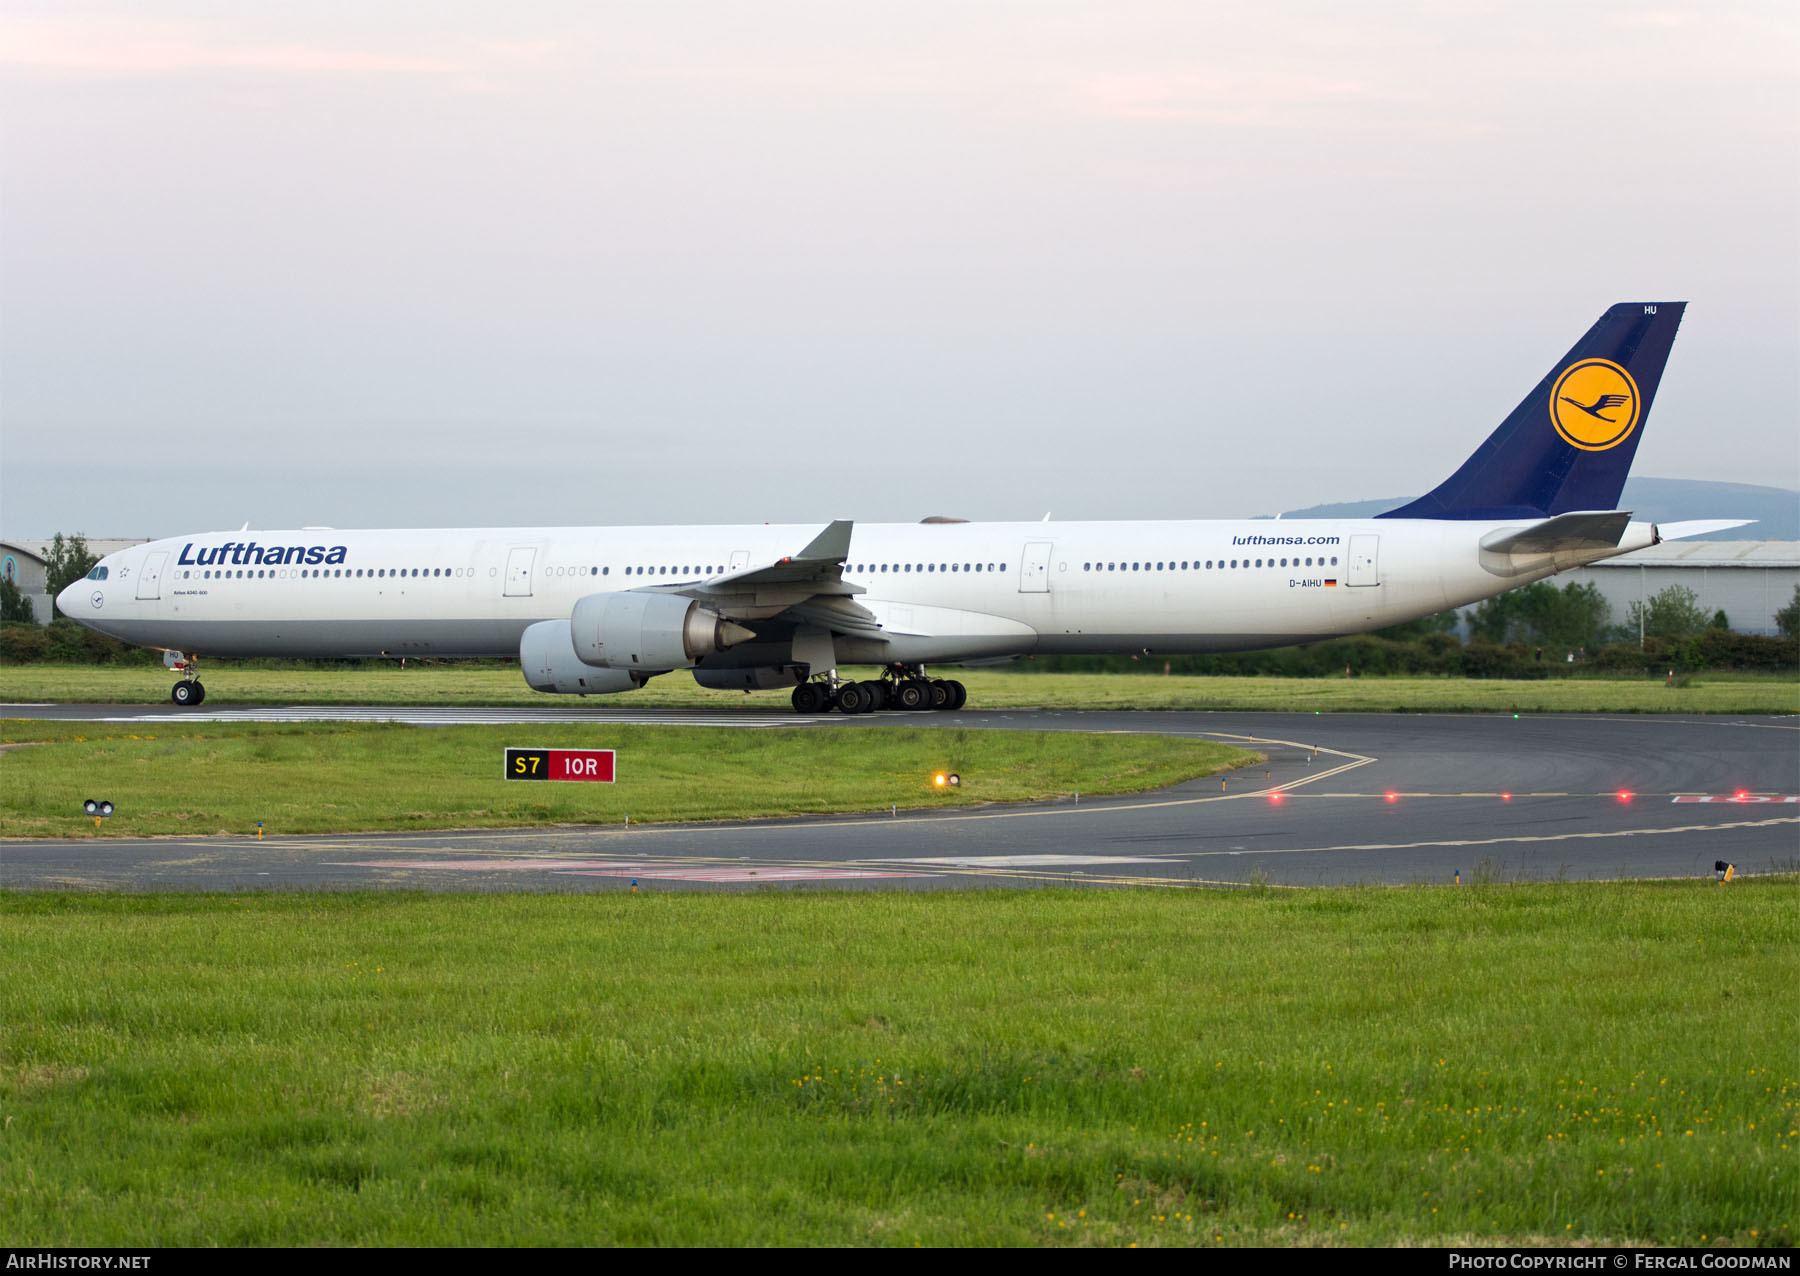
<point>547,655</point>
<point>755,678</point>
<point>648,631</point>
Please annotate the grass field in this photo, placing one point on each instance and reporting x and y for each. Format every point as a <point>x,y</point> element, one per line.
<point>229,684</point>
<point>1490,1064</point>
<point>331,777</point>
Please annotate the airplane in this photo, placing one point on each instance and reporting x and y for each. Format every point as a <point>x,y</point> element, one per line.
<point>601,610</point>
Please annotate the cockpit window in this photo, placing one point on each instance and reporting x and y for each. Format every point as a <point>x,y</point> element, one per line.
<point>99,573</point>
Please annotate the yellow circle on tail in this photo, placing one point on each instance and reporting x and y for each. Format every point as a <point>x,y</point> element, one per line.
<point>1594,405</point>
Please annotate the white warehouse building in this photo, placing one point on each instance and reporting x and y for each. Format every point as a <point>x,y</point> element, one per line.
<point>1748,580</point>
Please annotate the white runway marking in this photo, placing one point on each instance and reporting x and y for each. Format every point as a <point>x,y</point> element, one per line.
<point>1517,837</point>
<point>1023,861</point>
<point>426,716</point>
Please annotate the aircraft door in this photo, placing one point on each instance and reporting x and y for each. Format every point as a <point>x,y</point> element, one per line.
<point>740,559</point>
<point>150,576</point>
<point>1034,568</point>
<point>518,571</point>
<point>1363,570</point>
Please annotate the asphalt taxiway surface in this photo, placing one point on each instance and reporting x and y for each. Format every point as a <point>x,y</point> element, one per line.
<point>1343,798</point>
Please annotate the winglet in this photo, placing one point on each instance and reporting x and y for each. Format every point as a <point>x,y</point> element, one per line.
<point>830,545</point>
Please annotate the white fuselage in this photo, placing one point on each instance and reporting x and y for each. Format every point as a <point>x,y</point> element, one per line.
<point>940,591</point>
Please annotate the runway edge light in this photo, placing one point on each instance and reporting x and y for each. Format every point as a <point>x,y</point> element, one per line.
<point>1724,870</point>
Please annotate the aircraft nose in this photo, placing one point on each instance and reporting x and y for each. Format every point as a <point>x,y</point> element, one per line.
<point>74,599</point>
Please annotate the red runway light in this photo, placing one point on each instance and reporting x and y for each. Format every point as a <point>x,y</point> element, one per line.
<point>1742,795</point>
<point>1392,796</point>
<point>1275,798</point>
<point>1624,795</point>
<point>1506,797</point>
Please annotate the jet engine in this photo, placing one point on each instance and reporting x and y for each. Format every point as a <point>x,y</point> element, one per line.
<point>547,655</point>
<point>656,632</point>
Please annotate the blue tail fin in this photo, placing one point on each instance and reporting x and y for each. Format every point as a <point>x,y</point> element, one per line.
<point>1569,445</point>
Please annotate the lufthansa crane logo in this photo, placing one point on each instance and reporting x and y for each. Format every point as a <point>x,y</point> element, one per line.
<point>1594,405</point>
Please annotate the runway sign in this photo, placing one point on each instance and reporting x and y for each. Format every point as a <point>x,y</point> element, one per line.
<point>560,764</point>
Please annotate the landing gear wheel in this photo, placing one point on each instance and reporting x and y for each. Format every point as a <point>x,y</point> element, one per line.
<point>912,694</point>
<point>959,695</point>
<point>852,699</point>
<point>184,693</point>
<point>199,692</point>
<point>878,694</point>
<point>812,697</point>
<point>940,693</point>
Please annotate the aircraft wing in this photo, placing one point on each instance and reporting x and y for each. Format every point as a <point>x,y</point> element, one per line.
<point>808,584</point>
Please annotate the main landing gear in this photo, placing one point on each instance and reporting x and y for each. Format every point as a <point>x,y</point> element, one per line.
<point>899,687</point>
<point>188,692</point>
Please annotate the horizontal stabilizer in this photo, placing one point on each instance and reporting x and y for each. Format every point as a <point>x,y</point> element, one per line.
<point>1698,527</point>
<point>1587,529</point>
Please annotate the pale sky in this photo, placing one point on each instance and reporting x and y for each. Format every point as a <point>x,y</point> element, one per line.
<point>367,264</point>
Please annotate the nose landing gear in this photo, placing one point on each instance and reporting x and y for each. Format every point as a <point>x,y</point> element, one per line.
<point>188,692</point>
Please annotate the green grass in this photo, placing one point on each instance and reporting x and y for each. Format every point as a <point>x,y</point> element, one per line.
<point>207,778</point>
<point>1491,1064</point>
<point>238,684</point>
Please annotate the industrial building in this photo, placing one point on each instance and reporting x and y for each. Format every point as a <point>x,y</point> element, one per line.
<point>25,564</point>
<point>1748,580</point>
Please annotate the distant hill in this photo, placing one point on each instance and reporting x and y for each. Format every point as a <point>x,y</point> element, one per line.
<point>1656,500</point>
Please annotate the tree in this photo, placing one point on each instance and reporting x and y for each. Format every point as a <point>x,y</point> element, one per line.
<point>14,606</point>
<point>1787,620</point>
<point>1443,622</point>
<point>67,562</point>
<point>1673,612</point>
<point>1567,618</point>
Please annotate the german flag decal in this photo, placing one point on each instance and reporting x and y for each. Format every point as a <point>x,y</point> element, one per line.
<point>1331,582</point>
